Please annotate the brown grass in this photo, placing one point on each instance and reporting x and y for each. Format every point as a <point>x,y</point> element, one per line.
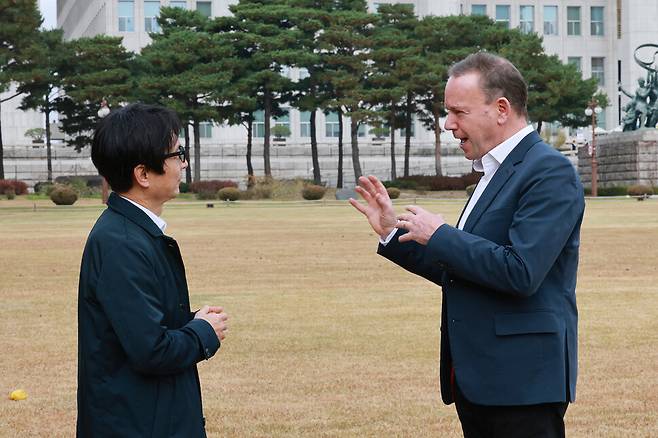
<point>327,339</point>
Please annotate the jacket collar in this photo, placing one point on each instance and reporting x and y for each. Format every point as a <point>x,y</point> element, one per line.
<point>134,214</point>
<point>506,169</point>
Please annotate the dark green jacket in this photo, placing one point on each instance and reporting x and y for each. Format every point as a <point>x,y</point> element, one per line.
<point>138,343</point>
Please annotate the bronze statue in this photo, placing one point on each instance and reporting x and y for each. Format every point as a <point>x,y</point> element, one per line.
<point>642,110</point>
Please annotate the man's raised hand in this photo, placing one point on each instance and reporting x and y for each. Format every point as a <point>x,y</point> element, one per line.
<point>379,208</point>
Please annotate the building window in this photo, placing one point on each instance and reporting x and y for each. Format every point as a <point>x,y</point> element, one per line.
<point>600,119</point>
<point>205,130</point>
<point>283,120</point>
<point>573,20</point>
<point>596,27</point>
<point>305,124</point>
<point>178,4</point>
<point>204,8</point>
<point>503,15</point>
<point>258,126</point>
<point>331,125</point>
<point>126,16</point>
<point>362,130</point>
<point>550,20</point>
<point>577,61</point>
<point>527,19</point>
<point>151,12</point>
<point>478,9</point>
<point>598,70</point>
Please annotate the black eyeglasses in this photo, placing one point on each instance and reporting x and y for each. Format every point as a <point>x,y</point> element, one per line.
<point>180,153</point>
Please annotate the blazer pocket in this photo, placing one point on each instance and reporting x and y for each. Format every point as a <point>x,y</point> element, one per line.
<point>526,323</point>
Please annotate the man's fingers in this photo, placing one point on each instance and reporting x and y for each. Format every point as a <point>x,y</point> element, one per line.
<point>382,201</point>
<point>367,185</point>
<point>379,187</point>
<point>364,193</point>
<point>405,238</point>
<point>204,310</point>
<point>215,309</point>
<point>357,205</point>
<point>405,217</point>
<point>415,209</point>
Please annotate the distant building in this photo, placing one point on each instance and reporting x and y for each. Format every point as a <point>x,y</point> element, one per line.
<point>599,36</point>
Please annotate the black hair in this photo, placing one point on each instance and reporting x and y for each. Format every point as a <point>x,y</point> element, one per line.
<point>133,135</point>
<point>498,78</point>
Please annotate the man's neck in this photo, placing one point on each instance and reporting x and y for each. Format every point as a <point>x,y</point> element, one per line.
<point>139,198</point>
<point>509,129</point>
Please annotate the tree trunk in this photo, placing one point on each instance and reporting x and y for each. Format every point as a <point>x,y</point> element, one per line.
<point>394,174</point>
<point>188,169</point>
<point>197,151</point>
<point>339,182</point>
<point>317,179</point>
<point>539,123</point>
<point>2,155</point>
<point>266,141</point>
<point>407,135</point>
<point>356,163</point>
<point>49,152</point>
<point>250,128</point>
<point>437,143</point>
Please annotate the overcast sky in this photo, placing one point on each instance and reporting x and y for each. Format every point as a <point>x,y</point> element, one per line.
<point>48,10</point>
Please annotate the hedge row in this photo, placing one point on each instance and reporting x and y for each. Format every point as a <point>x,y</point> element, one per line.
<point>14,186</point>
<point>434,182</point>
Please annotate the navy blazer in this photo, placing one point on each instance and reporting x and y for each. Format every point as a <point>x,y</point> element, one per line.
<point>138,343</point>
<point>509,317</point>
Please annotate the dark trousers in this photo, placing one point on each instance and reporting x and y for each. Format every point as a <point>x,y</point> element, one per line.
<point>544,420</point>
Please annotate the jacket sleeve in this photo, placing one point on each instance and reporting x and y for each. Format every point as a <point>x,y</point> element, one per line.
<point>412,257</point>
<point>128,291</point>
<point>550,206</point>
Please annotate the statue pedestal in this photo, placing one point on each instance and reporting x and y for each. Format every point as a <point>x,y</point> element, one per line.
<point>624,159</point>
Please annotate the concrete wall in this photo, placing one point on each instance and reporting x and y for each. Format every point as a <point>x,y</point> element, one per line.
<point>28,163</point>
<point>624,159</point>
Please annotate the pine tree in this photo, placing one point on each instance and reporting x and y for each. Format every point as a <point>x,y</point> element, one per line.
<point>97,69</point>
<point>39,76</point>
<point>184,68</point>
<point>346,45</point>
<point>19,24</point>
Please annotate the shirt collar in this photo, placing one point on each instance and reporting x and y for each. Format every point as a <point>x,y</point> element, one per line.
<point>494,158</point>
<point>154,217</point>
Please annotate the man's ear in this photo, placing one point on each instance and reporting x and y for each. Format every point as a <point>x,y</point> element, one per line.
<point>504,109</point>
<point>141,176</point>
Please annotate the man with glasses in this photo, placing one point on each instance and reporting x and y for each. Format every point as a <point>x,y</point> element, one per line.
<point>138,341</point>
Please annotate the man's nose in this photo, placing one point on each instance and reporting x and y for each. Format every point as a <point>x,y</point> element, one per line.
<point>449,125</point>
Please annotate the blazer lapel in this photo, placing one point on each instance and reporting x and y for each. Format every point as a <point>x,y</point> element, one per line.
<point>504,172</point>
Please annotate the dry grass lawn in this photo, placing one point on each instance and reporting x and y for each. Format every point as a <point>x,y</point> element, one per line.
<point>327,339</point>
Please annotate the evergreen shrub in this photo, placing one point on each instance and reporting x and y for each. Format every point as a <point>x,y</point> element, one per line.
<point>393,192</point>
<point>63,194</point>
<point>228,194</point>
<point>313,192</point>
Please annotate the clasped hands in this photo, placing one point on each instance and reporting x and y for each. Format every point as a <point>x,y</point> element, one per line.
<point>420,223</point>
<point>215,316</point>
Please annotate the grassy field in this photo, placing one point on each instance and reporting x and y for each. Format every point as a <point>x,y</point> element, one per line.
<point>327,339</point>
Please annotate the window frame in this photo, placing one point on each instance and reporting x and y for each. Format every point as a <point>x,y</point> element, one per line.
<point>574,25</point>
<point>125,21</point>
<point>597,28</point>
<point>508,20</point>
<point>556,20</point>
<point>523,24</point>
